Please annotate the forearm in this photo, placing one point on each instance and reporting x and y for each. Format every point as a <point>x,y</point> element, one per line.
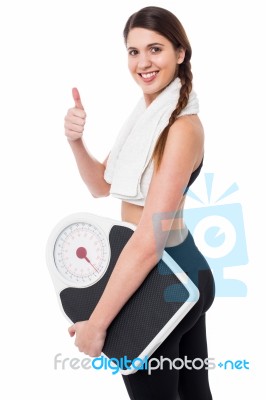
<point>133,265</point>
<point>90,169</point>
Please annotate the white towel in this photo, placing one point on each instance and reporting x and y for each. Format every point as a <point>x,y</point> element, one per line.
<point>135,143</point>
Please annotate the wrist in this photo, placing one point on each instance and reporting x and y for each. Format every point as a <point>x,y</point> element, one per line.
<point>76,143</point>
<point>98,322</point>
<point>71,140</point>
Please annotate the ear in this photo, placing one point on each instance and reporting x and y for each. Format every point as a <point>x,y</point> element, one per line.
<point>180,55</point>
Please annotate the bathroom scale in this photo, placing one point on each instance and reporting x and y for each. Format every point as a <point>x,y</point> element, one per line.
<point>81,253</point>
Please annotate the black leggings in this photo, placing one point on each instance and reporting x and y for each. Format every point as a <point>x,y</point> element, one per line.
<point>188,340</point>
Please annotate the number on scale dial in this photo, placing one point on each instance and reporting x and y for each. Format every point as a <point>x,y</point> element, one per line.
<point>81,254</point>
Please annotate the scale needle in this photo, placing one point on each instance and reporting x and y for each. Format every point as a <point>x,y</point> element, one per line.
<point>81,252</point>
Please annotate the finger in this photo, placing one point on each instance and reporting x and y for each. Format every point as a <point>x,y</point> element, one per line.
<point>72,119</point>
<point>74,128</point>
<point>72,330</point>
<point>77,100</point>
<point>76,112</point>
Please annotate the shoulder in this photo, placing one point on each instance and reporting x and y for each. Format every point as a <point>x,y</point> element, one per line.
<point>187,128</point>
<point>182,153</point>
<point>185,140</point>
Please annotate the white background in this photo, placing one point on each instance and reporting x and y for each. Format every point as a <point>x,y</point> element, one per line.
<point>48,47</point>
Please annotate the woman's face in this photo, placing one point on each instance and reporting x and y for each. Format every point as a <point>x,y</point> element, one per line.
<point>152,61</point>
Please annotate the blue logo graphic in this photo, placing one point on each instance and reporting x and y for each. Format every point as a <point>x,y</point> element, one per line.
<point>219,233</point>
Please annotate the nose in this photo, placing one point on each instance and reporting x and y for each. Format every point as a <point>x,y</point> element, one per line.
<point>144,61</point>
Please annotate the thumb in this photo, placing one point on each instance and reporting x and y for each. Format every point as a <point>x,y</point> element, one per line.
<point>72,330</point>
<point>77,100</point>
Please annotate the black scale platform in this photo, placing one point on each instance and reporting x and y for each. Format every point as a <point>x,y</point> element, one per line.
<point>142,317</point>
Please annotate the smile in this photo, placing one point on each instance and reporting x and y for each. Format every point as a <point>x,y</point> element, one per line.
<point>149,75</point>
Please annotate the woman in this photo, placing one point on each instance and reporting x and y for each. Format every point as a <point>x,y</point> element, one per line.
<point>157,156</point>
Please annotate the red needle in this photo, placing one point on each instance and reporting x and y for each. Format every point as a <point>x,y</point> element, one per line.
<point>81,252</point>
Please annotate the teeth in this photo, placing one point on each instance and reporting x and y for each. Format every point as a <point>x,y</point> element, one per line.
<point>149,75</point>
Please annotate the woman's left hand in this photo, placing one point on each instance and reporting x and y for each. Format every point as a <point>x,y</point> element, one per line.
<point>89,337</point>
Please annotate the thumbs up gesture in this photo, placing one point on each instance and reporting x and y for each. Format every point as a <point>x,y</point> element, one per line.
<point>75,118</point>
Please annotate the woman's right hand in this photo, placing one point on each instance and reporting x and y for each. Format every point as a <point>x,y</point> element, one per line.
<point>75,118</point>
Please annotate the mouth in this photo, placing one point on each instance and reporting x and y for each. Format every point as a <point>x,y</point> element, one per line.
<point>148,76</point>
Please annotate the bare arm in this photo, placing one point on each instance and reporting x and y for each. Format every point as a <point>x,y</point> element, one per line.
<point>90,169</point>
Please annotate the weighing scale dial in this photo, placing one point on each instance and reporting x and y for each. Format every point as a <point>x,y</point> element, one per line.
<point>81,254</point>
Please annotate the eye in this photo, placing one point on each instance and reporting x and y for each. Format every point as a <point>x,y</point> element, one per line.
<point>133,52</point>
<point>155,49</point>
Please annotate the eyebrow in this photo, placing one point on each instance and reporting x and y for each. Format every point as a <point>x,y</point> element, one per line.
<point>148,45</point>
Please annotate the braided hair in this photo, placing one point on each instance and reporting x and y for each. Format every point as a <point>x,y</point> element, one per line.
<point>166,24</point>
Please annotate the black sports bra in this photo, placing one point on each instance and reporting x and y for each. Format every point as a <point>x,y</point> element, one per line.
<point>193,176</point>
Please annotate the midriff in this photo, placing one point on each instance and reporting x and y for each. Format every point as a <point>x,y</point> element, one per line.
<point>177,232</point>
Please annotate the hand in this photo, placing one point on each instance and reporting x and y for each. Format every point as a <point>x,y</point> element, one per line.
<point>75,118</point>
<point>89,338</point>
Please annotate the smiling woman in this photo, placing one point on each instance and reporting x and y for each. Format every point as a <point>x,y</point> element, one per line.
<point>156,157</point>
<point>152,61</point>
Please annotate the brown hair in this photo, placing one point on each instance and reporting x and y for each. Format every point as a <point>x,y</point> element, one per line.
<point>166,24</point>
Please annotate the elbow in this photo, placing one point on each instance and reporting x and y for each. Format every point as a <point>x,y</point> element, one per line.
<point>100,191</point>
<point>100,194</point>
